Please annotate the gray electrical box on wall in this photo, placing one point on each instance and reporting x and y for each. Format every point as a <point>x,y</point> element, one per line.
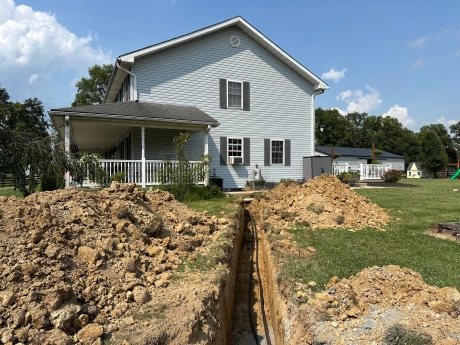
<point>316,166</point>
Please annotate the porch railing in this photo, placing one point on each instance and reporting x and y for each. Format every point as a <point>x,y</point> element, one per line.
<point>373,171</point>
<point>132,169</point>
<point>338,168</point>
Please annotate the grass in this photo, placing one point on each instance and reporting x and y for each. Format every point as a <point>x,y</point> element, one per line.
<point>342,253</point>
<point>9,191</point>
<point>213,206</point>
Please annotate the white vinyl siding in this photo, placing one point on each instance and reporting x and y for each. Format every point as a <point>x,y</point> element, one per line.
<point>281,100</point>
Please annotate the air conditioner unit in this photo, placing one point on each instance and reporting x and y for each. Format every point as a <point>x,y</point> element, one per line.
<point>235,160</point>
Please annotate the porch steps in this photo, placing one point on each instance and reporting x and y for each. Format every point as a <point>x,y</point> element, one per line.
<point>452,228</point>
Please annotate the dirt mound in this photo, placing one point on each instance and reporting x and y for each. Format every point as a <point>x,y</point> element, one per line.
<point>365,308</point>
<point>74,263</point>
<point>322,202</point>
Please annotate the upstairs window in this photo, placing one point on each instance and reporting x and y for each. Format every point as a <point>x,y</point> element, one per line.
<point>234,94</point>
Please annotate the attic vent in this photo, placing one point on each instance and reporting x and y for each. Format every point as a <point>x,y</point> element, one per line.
<point>235,41</point>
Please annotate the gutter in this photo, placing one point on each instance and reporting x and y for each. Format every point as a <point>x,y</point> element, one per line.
<point>135,79</point>
<point>76,115</point>
<point>313,146</point>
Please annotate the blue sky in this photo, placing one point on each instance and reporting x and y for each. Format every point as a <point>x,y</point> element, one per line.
<point>399,58</point>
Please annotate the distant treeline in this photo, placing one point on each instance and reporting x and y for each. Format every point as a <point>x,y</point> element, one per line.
<point>434,146</point>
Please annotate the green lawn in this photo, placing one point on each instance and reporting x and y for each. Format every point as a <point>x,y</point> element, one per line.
<point>9,191</point>
<point>343,253</point>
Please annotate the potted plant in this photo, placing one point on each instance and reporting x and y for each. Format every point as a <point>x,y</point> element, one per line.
<point>349,177</point>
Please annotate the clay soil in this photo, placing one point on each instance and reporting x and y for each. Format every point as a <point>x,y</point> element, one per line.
<point>103,268</point>
<point>364,309</point>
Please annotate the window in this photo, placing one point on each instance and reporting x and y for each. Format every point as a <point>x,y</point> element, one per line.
<point>234,94</point>
<point>235,148</point>
<point>235,151</point>
<point>277,151</point>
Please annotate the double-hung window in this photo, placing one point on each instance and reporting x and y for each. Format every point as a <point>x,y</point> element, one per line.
<point>234,94</point>
<point>234,98</point>
<point>277,151</point>
<point>235,147</point>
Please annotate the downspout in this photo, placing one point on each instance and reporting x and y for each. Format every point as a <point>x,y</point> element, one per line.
<point>313,119</point>
<point>135,79</point>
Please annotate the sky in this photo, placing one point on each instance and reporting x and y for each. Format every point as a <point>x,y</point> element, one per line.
<point>395,58</point>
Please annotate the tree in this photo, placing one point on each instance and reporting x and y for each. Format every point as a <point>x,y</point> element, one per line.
<point>433,154</point>
<point>28,150</point>
<point>441,131</point>
<point>455,130</point>
<point>337,130</point>
<point>92,90</point>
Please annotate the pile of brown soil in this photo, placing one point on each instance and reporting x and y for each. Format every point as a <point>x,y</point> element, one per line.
<point>77,265</point>
<point>364,308</point>
<point>322,202</point>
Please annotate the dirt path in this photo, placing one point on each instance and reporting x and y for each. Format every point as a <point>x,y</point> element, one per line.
<point>242,333</point>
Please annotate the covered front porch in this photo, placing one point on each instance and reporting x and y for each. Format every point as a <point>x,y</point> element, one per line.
<point>132,138</point>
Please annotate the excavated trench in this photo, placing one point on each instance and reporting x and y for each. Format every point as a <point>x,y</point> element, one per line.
<point>257,311</point>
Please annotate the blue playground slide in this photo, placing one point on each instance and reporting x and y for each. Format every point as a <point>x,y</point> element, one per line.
<point>455,175</point>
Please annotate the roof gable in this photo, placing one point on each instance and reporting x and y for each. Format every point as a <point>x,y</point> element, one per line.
<point>125,61</point>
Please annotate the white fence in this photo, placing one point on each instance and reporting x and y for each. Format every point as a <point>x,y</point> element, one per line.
<point>155,171</point>
<point>373,171</point>
<point>338,168</point>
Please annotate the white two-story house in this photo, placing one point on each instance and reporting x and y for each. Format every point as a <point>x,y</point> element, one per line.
<point>242,98</point>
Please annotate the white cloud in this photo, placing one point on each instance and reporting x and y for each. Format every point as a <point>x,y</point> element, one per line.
<point>32,78</point>
<point>342,112</point>
<point>401,114</point>
<point>420,63</point>
<point>448,123</point>
<point>34,45</point>
<point>334,75</point>
<point>425,39</point>
<point>359,101</point>
<point>418,43</point>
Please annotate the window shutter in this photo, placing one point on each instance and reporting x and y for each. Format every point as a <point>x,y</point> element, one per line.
<point>246,96</point>
<point>223,150</point>
<point>287,152</point>
<point>247,151</point>
<point>267,152</point>
<point>223,93</point>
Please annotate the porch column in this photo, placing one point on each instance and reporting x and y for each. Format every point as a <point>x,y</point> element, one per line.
<point>143,156</point>
<point>67,146</point>
<point>206,152</point>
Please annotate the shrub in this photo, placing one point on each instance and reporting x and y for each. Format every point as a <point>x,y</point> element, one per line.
<point>398,335</point>
<point>392,176</point>
<point>118,177</point>
<point>349,174</point>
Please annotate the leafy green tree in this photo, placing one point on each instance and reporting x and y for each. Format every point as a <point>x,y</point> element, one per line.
<point>91,90</point>
<point>455,131</point>
<point>433,155</point>
<point>28,150</point>
<point>447,141</point>
<point>337,130</point>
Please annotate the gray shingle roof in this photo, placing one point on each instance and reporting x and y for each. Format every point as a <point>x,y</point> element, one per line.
<point>354,152</point>
<point>133,110</point>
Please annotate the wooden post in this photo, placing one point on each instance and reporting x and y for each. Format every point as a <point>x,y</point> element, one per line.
<point>373,153</point>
